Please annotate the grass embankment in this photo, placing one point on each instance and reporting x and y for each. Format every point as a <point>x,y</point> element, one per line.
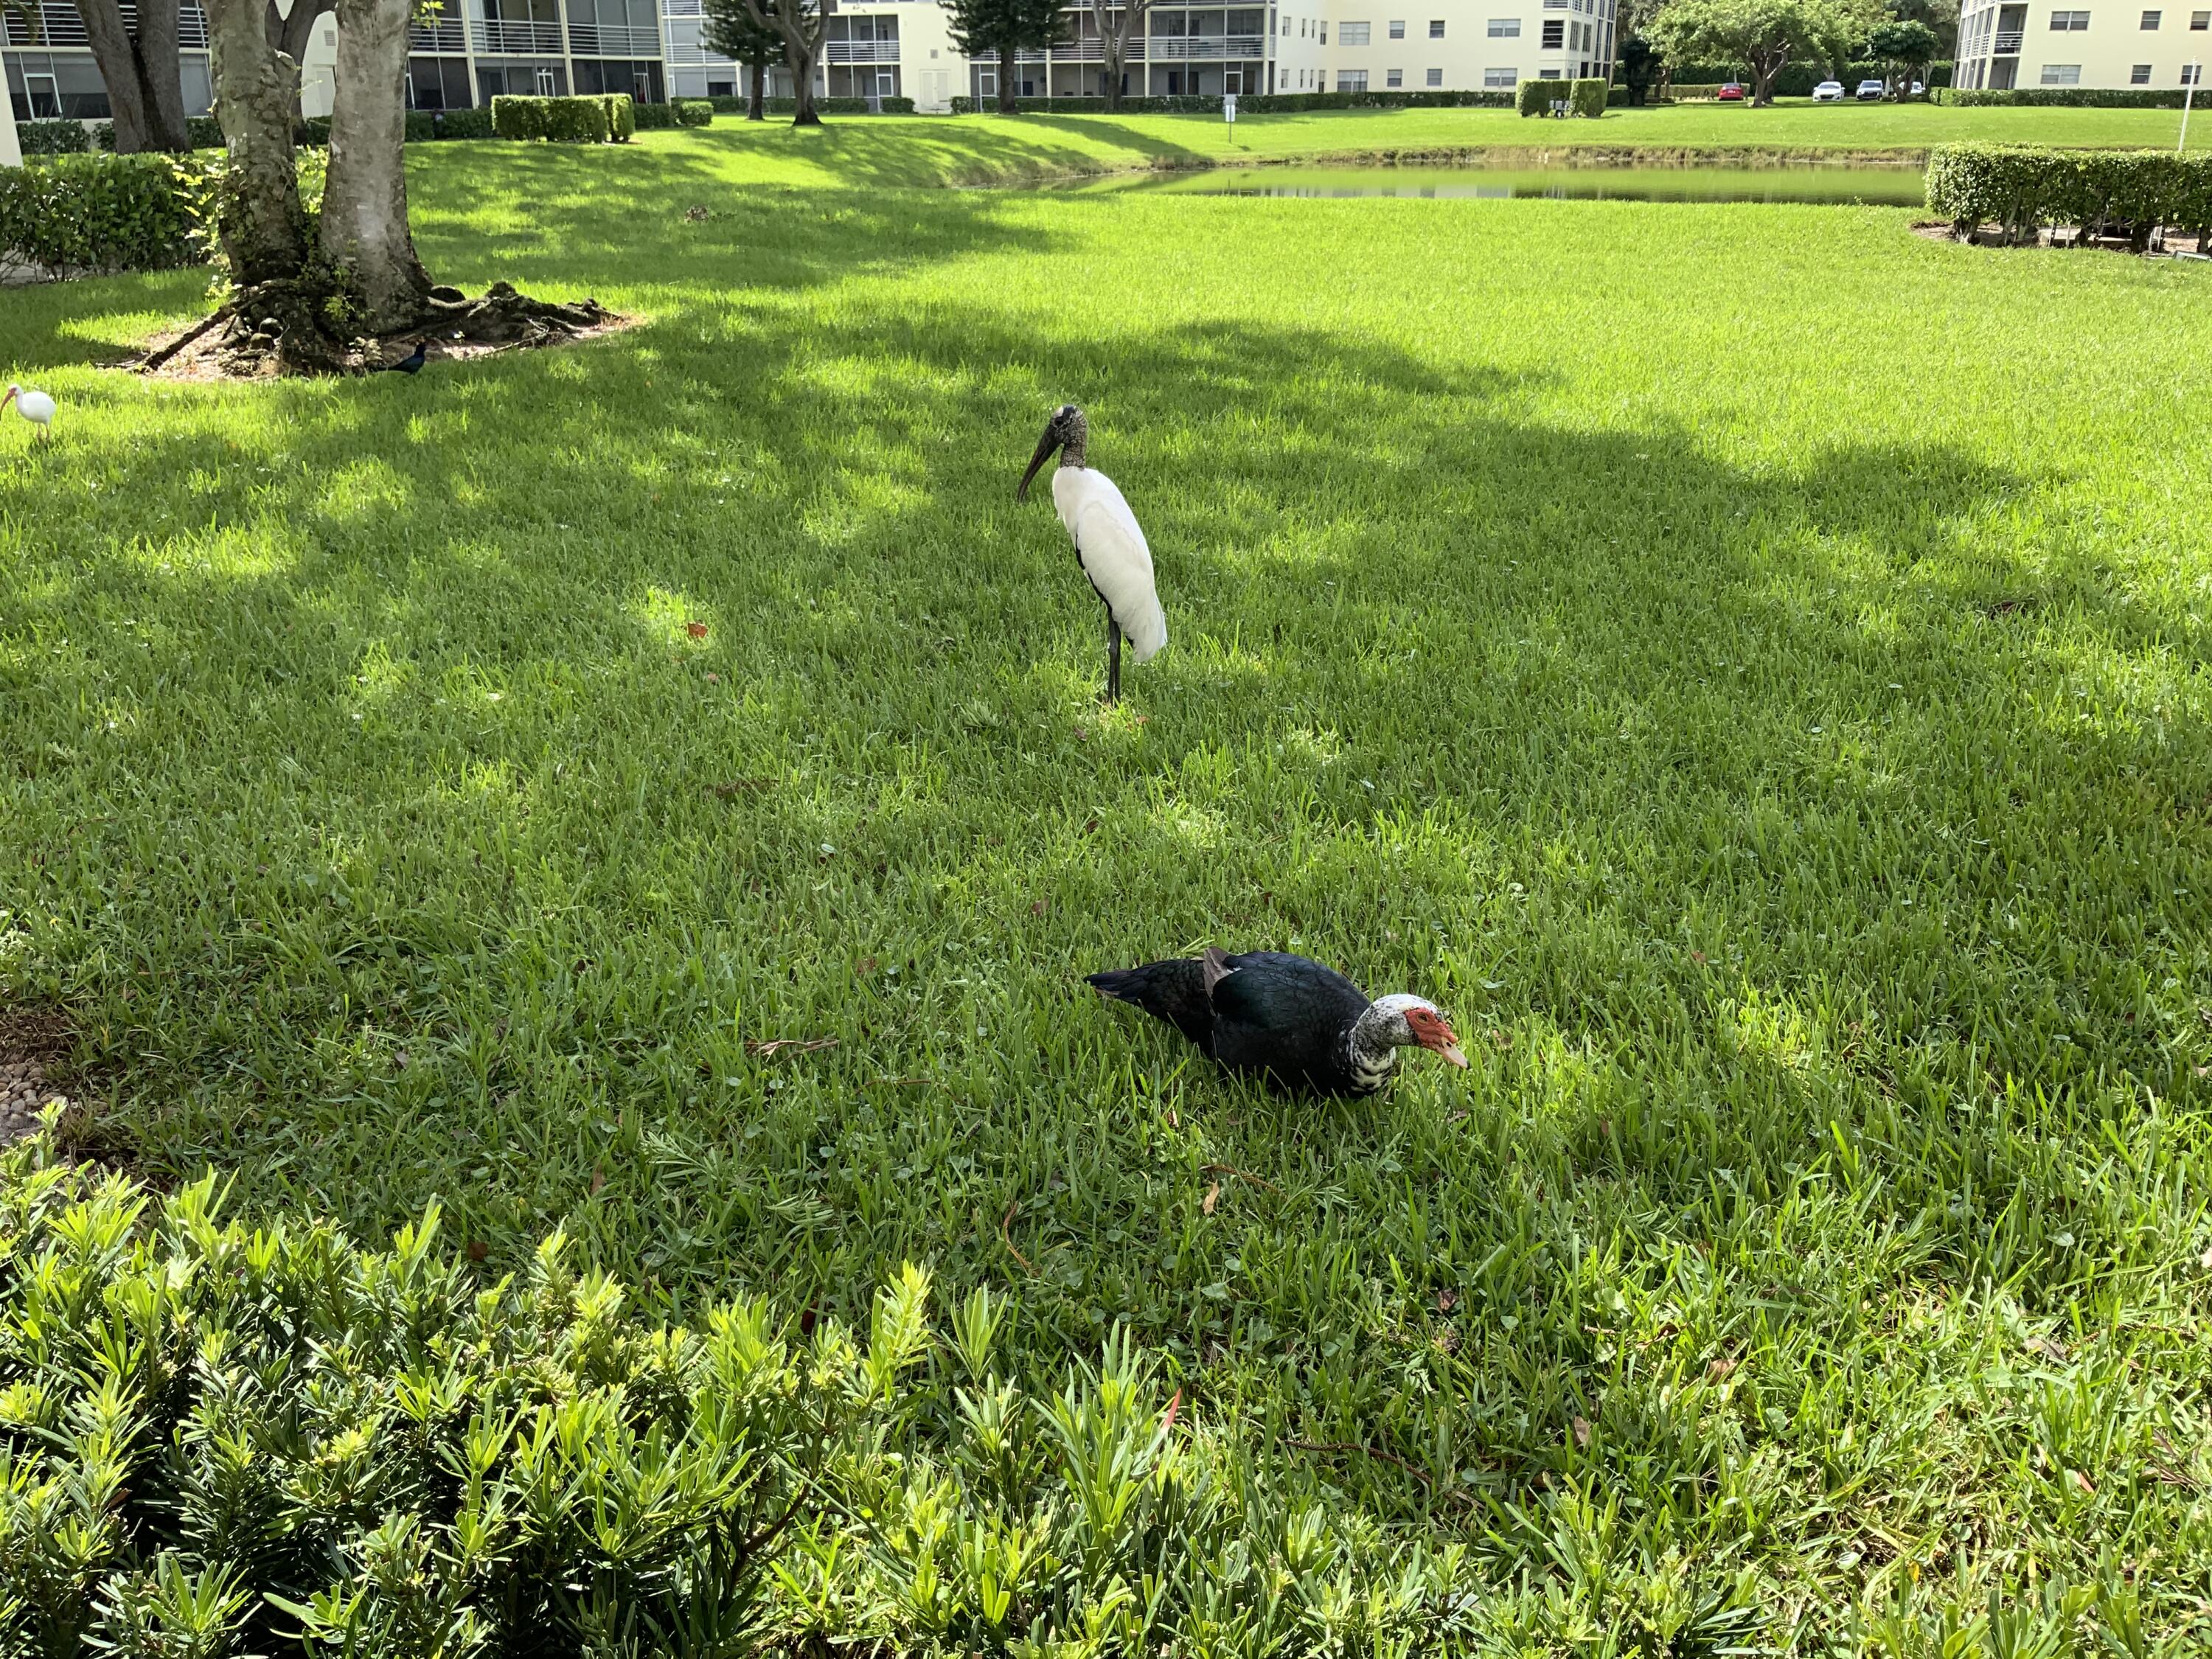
<point>986,149</point>
<point>1741,661</point>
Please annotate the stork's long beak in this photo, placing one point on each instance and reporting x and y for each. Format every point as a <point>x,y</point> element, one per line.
<point>1046,445</point>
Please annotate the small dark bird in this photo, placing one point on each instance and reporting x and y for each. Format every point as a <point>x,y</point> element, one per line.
<point>1287,1017</point>
<point>411,364</point>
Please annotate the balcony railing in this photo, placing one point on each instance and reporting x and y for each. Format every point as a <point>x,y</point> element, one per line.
<point>535,40</point>
<point>2008,42</point>
<point>863,52</point>
<point>1162,48</point>
<point>443,37</point>
<point>613,41</point>
<point>59,25</point>
<point>679,8</point>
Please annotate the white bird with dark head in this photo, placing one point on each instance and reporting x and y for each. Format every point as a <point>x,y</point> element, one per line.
<point>1108,544</point>
<point>33,406</point>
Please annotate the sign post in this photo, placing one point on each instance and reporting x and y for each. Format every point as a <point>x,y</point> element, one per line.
<point>1229,107</point>
<point>2188,97</point>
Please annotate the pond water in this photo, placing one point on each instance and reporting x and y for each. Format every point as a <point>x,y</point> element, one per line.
<point>1876,186</point>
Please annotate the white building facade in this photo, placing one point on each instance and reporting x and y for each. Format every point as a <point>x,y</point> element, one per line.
<point>2104,45</point>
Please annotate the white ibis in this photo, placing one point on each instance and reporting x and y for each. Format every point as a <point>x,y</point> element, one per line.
<point>33,406</point>
<point>1108,544</point>
<point>1286,1017</point>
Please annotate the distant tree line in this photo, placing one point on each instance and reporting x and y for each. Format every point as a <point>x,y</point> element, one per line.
<point>1767,36</point>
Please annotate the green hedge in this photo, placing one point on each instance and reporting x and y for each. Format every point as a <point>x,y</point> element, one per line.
<point>582,120</point>
<point>201,132</point>
<point>1587,98</point>
<point>655,117</point>
<point>52,137</point>
<point>233,1436</point>
<point>107,212</point>
<point>2073,97</point>
<point>1537,97</point>
<point>622,116</point>
<point>694,112</point>
<point>1798,80</point>
<point>461,124</point>
<point>1248,103</point>
<point>2023,189</point>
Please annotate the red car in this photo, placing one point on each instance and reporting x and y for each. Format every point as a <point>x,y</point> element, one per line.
<point>1731,93</point>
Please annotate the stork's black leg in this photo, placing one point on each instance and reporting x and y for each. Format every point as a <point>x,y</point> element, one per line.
<point>1113,659</point>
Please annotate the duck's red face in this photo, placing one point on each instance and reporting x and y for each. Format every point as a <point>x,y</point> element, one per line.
<point>1432,1032</point>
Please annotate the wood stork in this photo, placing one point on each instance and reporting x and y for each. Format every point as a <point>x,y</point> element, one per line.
<point>1108,544</point>
<point>1285,1018</point>
<point>33,406</point>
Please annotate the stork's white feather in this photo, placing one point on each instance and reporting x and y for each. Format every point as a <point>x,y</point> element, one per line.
<point>1111,547</point>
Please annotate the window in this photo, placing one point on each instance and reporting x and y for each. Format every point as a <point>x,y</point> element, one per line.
<point>1505,28</point>
<point>2139,75</point>
<point>2192,75</point>
<point>1435,28</point>
<point>1555,33</point>
<point>1394,77</point>
<point>1352,34</point>
<point>1494,78</point>
<point>2150,18</point>
<point>2064,23</point>
<point>1434,78</point>
<point>1352,80</point>
<point>1398,28</point>
<point>1324,34</point>
<point>2062,74</point>
<point>1552,75</point>
<point>2200,20</point>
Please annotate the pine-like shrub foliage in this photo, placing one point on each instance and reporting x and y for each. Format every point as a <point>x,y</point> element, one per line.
<point>222,1439</point>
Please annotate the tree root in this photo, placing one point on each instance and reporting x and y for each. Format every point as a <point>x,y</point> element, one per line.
<point>294,326</point>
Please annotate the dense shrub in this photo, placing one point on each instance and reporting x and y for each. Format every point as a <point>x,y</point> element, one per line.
<point>221,1437</point>
<point>2023,188</point>
<point>107,212</point>
<point>694,112</point>
<point>1587,99</point>
<point>720,106</point>
<point>655,117</point>
<point>1798,80</point>
<point>582,120</point>
<point>1537,97</point>
<point>314,132</point>
<point>201,132</point>
<point>622,116</point>
<point>1251,103</point>
<point>461,124</point>
<point>52,137</point>
<point>2073,97</point>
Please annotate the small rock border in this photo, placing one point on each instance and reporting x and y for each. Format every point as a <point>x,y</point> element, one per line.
<point>29,1042</point>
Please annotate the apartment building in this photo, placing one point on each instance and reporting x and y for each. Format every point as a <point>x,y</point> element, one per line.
<point>2106,45</point>
<point>50,68</point>
<point>884,48</point>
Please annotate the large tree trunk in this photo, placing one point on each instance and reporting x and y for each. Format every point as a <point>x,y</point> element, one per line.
<point>145,98</point>
<point>1006,104</point>
<point>264,227</point>
<point>802,59</point>
<point>364,231</point>
<point>756,93</point>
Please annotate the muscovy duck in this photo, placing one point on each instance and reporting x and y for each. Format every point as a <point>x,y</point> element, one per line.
<point>1290,1018</point>
<point>1109,546</point>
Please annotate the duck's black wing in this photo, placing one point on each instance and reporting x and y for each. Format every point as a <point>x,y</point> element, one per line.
<point>1173,991</point>
<point>1288,1016</point>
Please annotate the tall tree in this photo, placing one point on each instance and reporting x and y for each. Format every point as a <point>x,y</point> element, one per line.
<point>263,226</point>
<point>1001,28</point>
<point>290,32</point>
<point>145,87</point>
<point>730,30</point>
<point>1903,50</point>
<point>1117,26</point>
<point>1763,35</point>
<point>800,24</point>
<point>364,220</point>
<point>1640,67</point>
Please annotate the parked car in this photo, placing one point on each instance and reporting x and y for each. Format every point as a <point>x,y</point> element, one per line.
<point>1828,92</point>
<point>1730,93</point>
<point>1872,91</point>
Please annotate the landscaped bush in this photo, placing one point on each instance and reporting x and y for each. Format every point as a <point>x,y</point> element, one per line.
<point>1587,98</point>
<point>622,116</point>
<point>222,1437</point>
<point>582,120</point>
<point>201,132</point>
<point>2073,97</point>
<point>694,112</point>
<point>1537,97</point>
<point>821,105</point>
<point>107,212</point>
<point>1255,103</point>
<point>52,137</point>
<point>2024,188</point>
<point>1798,80</point>
<point>461,124</point>
<point>655,117</point>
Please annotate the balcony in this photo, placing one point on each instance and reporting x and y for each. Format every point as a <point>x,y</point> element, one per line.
<point>863,51</point>
<point>59,25</point>
<point>2008,42</point>
<point>434,38</point>
<point>613,41</point>
<point>1162,48</point>
<point>529,39</point>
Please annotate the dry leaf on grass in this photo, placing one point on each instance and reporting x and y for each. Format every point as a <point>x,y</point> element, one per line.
<point>1581,1431</point>
<point>1212,1197</point>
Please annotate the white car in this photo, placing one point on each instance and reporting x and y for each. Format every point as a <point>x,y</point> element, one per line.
<point>1828,92</point>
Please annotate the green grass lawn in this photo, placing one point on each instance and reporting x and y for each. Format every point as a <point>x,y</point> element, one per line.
<point>1745,663</point>
<point>934,149</point>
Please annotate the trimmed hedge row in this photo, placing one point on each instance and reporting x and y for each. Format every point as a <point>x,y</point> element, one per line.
<point>2071,97</point>
<point>682,112</point>
<point>108,212</point>
<point>592,118</point>
<point>1798,80</point>
<point>722,106</point>
<point>1585,97</point>
<point>1248,103</point>
<point>227,1436</point>
<point>53,137</point>
<point>2025,188</point>
<point>201,132</point>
